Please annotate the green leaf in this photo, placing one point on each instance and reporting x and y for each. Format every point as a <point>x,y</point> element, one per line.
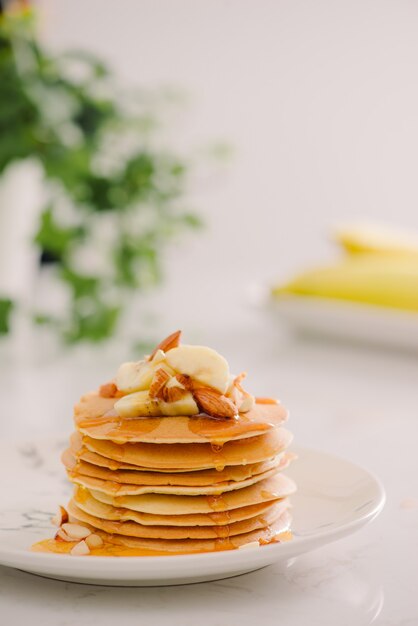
<point>125,255</point>
<point>55,239</point>
<point>43,319</point>
<point>66,113</point>
<point>96,67</point>
<point>6,308</point>
<point>191,220</point>
<point>94,326</point>
<point>137,262</point>
<point>99,193</point>
<point>138,175</point>
<point>92,115</point>
<point>70,166</point>
<point>80,284</point>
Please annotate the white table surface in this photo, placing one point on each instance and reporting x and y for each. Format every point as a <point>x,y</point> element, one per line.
<point>361,403</point>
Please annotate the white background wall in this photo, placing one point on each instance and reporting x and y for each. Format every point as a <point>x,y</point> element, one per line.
<point>320,100</point>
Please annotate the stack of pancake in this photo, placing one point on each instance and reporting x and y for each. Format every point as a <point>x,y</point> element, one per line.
<point>180,484</point>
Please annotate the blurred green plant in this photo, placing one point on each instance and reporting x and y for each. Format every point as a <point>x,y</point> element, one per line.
<point>115,196</point>
<point>6,306</point>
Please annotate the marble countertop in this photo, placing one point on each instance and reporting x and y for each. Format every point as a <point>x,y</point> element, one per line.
<point>356,402</point>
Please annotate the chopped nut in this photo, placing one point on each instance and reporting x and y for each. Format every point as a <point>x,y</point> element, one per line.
<point>214,403</point>
<point>94,541</point>
<point>247,403</point>
<point>185,380</point>
<point>174,382</point>
<point>80,549</point>
<point>173,390</point>
<point>76,531</point>
<point>158,357</point>
<point>159,380</point>
<point>264,542</point>
<point>241,398</point>
<point>61,517</point>
<point>236,394</point>
<point>173,394</point>
<point>61,535</point>
<point>108,390</point>
<point>170,342</point>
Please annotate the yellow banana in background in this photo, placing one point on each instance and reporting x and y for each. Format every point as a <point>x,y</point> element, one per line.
<point>380,268</point>
<point>377,239</point>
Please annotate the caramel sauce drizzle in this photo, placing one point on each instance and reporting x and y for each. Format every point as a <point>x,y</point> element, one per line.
<point>266,400</point>
<point>223,542</point>
<point>217,503</point>
<point>214,429</point>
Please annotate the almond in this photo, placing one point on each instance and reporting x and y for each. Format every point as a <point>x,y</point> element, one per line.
<point>241,398</point>
<point>173,390</point>
<point>158,357</point>
<point>76,531</point>
<point>61,517</point>
<point>94,541</point>
<point>236,394</point>
<point>185,380</point>
<point>170,342</point>
<point>80,549</point>
<point>244,400</point>
<point>158,382</point>
<point>108,390</point>
<point>247,403</point>
<point>214,403</point>
<point>61,535</point>
<point>173,394</point>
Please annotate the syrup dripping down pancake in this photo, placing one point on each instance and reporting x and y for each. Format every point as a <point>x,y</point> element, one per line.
<point>119,489</point>
<point>95,417</point>
<point>192,479</point>
<point>268,490</point>
<point>86,502</point>
<point>82,453</point>
<point>194,456</point>
<point>133,529</point>
<point>151,547</point>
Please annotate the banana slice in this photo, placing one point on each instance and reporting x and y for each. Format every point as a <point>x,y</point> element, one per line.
<point>137,376</point>
<point>139,404</point>
<point>202,364</point>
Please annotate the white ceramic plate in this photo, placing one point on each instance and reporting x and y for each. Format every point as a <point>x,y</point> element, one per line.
<point>361,323</point>
<point>334,499</point>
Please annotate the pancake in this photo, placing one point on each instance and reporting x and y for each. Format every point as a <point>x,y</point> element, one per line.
<point>121,489</point>
<point>199,471</point>
<point>133,529</point>
<point>194,456</point>
<point>81,452</point>
<point>156,547</point>
<point>268,490</point>
<point>198,478</point>
<point>86,502</point>
<point>95,417</point>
